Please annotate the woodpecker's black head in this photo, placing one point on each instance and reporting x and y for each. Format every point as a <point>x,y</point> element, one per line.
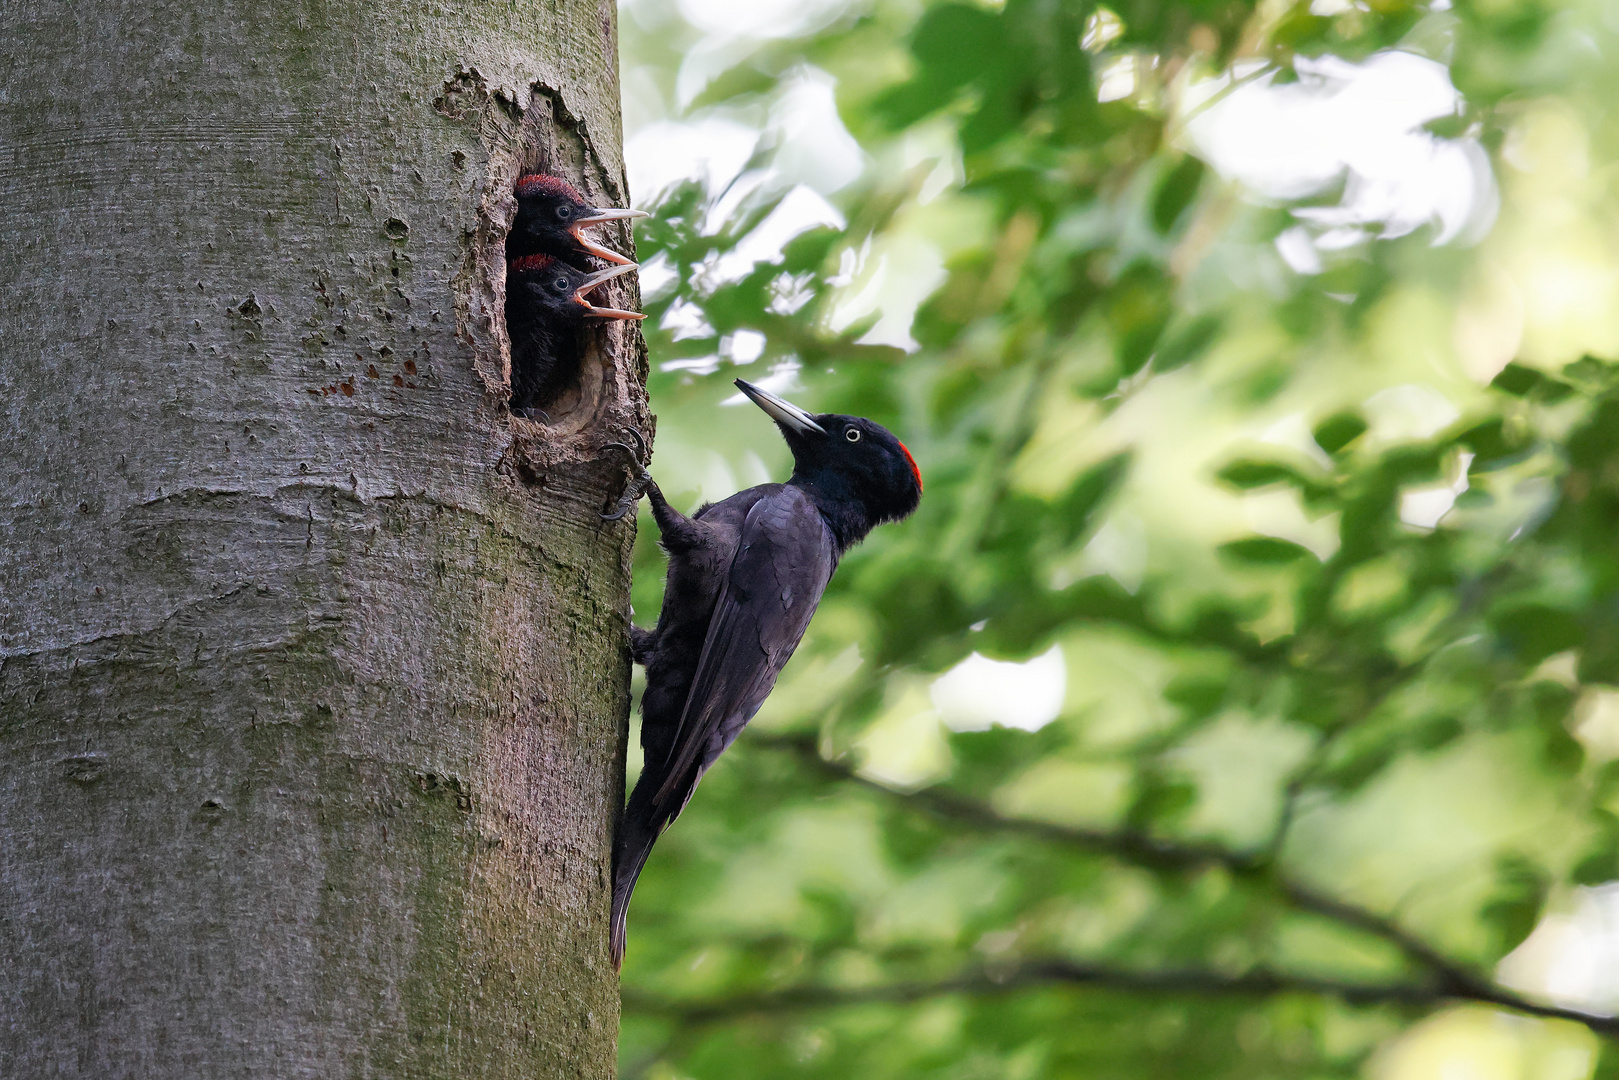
<point>856,470</point>
<point>551,217</point>
<point>541,283</point>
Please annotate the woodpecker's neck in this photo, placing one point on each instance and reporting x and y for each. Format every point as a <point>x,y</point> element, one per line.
<point>845,514</point>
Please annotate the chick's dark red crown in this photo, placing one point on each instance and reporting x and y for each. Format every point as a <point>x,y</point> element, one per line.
<point>529,264</point>
<point>536,184</point>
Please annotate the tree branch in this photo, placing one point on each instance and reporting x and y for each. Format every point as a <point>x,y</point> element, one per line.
<point>1191,982</point>
<point>1153,853</point>
<point>1135,847</point>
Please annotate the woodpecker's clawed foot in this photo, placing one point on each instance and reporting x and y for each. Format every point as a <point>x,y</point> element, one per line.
<point>532,414</point>
<point>632,493</point>
<point>632,496</point>
<point>641,643</point>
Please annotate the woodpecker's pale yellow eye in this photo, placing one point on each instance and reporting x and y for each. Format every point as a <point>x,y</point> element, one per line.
<point>852,434</point>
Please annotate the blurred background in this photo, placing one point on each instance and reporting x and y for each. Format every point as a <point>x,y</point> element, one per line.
<point>1243,701</point>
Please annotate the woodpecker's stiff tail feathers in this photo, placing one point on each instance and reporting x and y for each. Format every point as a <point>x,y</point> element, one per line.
<point>745,576</point>
<point>636,835</point>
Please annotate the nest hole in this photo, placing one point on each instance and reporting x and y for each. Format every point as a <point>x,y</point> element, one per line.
<point>557,376</point>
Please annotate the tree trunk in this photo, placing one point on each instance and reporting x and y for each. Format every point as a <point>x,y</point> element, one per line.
<point>313,672</point>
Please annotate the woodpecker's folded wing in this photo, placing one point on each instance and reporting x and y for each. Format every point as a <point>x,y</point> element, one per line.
<point>783,561</point>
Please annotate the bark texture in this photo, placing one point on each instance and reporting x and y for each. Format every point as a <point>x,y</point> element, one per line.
<point>313,674</point>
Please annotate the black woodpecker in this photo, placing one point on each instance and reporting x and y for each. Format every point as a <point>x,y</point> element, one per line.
<point>551,218</point>
<point>745,575</point>
<point>546,311</point>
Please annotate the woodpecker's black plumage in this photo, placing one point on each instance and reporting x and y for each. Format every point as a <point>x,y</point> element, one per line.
<point>546,311</point>
<point>551,218</point>
<point>744,577</point>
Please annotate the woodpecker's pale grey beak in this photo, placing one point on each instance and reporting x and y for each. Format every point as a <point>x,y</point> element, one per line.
<point>596,279</point>
<point>608,213</point>
<point>785,413</point>
<point>594,216</point>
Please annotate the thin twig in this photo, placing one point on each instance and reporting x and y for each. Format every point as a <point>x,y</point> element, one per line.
<point>1036,973</point>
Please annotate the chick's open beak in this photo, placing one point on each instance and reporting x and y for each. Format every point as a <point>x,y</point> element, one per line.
<point>596,279</point>
<point>783,412</point>
<point>595,215</point>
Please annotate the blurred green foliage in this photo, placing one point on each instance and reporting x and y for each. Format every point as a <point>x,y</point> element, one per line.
<point>1333,594</point>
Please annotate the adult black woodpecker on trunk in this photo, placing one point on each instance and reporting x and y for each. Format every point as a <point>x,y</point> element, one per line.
<point>551,219</point>
<point>744,577</point>
<point>546,311</point>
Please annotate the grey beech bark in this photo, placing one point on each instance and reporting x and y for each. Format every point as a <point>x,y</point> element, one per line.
<point>313,671</point>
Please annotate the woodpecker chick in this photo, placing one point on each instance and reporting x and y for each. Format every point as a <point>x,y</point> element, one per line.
<point>546,309</point>
<point>744,577</point>
<point>551,218</point>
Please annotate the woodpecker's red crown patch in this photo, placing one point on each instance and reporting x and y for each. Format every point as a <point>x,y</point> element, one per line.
<point>916,472</point>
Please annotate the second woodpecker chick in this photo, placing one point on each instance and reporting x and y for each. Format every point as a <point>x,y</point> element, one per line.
<point>745,575</point>
<point>551,219</point>
<point>546,309</point>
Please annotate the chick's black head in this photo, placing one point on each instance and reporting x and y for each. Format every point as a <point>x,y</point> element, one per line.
<point>539,281</point>
<point>548,203</point>
<point>551,215</point>
<point>541,285</point>
<point>846,461</point>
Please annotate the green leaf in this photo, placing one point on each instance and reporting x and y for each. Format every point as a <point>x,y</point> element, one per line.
<point>1339,430</point>
<point>1514,907</point>
<point>1247,473</point>
<point>1517,380</point>
<point>1183,344</point>
<point>1175,192</point>
<point>1265,551</point>
<point>1536,631</point>
<point>1493,442</point>
<point>954,44</point>
<point>1077,509</point>
<point>1138,310</point>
